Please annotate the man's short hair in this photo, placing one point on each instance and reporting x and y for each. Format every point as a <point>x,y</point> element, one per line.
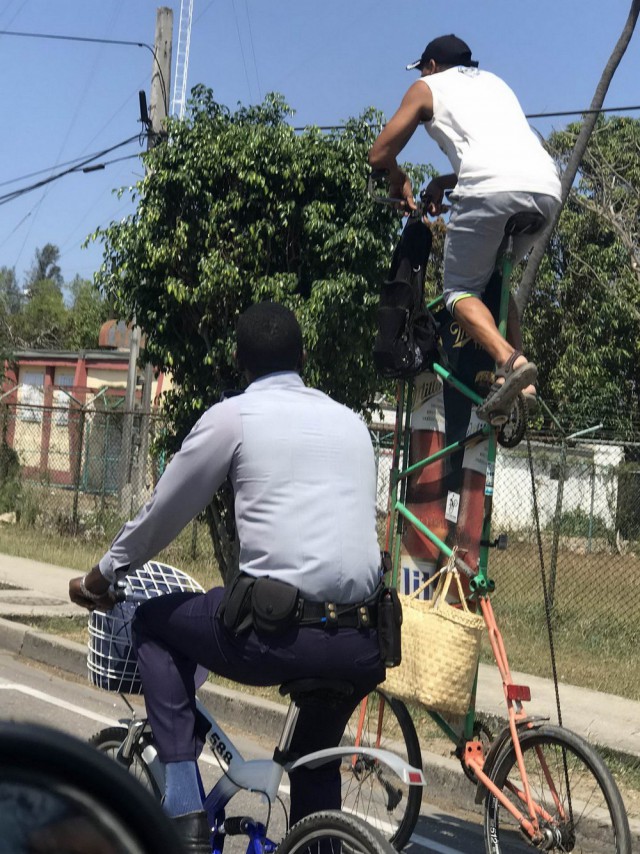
<point>269,339</point>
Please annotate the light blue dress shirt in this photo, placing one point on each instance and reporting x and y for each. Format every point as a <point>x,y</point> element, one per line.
<point>304,480</point>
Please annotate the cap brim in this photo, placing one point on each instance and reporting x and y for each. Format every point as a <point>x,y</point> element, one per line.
<point>413,65</point>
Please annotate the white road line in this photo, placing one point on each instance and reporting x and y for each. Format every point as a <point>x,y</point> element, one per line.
<point>386,828</point>
<point>55,701</point>
<point>430,845</point>
<point>77,710</point>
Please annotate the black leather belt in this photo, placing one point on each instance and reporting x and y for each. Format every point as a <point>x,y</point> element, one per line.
<point>361,616</point>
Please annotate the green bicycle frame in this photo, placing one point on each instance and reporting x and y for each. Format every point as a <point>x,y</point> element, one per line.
<point>479,582</point>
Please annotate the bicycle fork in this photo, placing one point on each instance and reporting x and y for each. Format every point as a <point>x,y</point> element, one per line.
<point>474,757</point>
<point>126,750</point>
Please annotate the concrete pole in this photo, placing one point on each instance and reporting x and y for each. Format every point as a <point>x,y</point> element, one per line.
<point>161,72</point>
<point>134,479</point>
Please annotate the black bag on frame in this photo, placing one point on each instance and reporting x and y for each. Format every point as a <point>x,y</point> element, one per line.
<point>407,338</point>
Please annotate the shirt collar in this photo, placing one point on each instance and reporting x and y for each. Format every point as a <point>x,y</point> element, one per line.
<point>279,379</point>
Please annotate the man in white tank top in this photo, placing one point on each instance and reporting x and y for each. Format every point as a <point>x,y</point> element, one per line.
<point>499,169</point>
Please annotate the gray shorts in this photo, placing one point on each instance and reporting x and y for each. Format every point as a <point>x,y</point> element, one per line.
<point>475,233</point>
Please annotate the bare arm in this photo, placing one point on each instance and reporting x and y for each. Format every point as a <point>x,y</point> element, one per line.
<point>416,107</point>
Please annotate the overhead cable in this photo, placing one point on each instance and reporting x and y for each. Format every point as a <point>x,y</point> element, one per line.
<point>14,194</point>
<point>528,115</point>
<point>93,40</point>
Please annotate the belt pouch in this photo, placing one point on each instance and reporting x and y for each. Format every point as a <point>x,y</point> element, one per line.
<point>389,623</point>
<point>235,608</point>
<point>274,605</point>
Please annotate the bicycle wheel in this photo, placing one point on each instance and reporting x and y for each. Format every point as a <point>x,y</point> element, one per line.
<point>370,790</point>
<point>578,803</point>
<point>334,832</point>
<point>109,741</point>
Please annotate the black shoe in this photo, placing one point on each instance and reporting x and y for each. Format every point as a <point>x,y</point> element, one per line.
<point>194,830</point>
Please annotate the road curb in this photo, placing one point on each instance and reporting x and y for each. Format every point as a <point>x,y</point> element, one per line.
<point>12,635</point>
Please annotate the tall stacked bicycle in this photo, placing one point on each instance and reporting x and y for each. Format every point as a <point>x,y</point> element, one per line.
<point>543,786</point>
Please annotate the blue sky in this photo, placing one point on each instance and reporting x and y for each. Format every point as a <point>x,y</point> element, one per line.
<point>330,59</point>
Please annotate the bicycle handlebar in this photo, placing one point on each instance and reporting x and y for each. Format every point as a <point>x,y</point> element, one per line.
<point>377,175</point>
<point>421,202</point>
<point>123,592</point>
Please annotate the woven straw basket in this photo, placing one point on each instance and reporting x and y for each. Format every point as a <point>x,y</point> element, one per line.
<point>440,650</point>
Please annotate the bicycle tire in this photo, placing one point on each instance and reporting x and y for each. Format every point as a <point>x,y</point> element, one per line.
<point>334,832</point>
<point>369,789</point>
<point>596,818</point>
<point>108,741</point>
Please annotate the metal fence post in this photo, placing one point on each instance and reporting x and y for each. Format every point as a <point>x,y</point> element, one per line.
<point>78,471</point>
<point>557,521</point>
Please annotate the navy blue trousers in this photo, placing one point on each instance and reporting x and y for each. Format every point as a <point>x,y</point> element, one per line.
<point>175,633</point>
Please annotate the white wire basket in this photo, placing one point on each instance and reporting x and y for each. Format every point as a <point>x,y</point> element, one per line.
<point>111,661</point>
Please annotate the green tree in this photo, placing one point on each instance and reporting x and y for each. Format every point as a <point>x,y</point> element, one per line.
<point>238,207</point>
<point>573,161</point>
<point>45,266</point>
<point>11,295</point>
<point>583,321</point>
<point>85,317</point>
<point>10,300</point>
<point>42,322</point>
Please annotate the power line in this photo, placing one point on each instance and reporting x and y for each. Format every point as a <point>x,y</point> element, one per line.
<point>71,162</point>
<point>528,115</point>
<point>93,40</point>
<point>582,112</point>
<point>14,194</point>
<point>75,39</point>
<point>255,64</point>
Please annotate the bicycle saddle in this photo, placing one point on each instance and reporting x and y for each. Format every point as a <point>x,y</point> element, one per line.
<point>524,222</point>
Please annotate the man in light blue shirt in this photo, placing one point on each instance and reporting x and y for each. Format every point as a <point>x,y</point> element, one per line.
<point>303,475</point>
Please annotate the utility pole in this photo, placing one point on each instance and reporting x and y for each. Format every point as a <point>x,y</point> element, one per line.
<point>133,479</point>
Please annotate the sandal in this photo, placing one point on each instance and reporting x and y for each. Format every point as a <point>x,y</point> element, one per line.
<point>497,406</point>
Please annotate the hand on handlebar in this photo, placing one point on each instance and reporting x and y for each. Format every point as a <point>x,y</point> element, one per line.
<point>432,197</point>
<point>402,198</point>
<point>403,190</point>
<point>93,592</point>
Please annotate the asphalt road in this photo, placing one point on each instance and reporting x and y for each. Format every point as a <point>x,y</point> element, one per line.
<point>39,695</point>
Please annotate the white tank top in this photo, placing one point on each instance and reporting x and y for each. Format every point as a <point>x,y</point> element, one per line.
<point>480,126</point>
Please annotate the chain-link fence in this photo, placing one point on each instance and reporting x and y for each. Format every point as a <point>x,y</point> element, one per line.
<point>573,528</point>
<point>62,469</point>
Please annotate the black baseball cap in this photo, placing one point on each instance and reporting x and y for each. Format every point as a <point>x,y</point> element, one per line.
<point>446,50</point>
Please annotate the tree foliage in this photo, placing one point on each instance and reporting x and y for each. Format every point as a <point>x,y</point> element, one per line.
<point>608,181</point>
<point>574,159</point>
<point>38,317</point>
<point>41,322</point>
<point>583,322</point>
<point>45,266</point>
<point>237,207</point>
<point>11,295</point>
<point>86,315</point>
